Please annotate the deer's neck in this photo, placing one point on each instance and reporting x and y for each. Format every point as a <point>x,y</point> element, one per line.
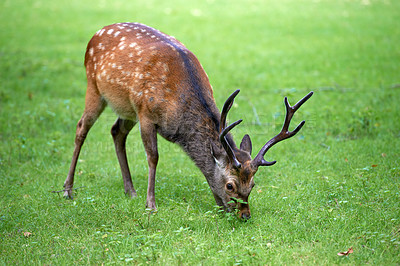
<point>197,134</point>
<point>196,126</point>
<point>198,147</point>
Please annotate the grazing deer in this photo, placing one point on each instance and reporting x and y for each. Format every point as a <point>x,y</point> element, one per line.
<point>149,77</point>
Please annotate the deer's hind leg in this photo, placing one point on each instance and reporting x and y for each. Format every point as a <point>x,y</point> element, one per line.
<point>120,131</point>
<point>94,106</point>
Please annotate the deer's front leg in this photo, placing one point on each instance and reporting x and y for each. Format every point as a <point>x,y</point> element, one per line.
<point>149,137</point>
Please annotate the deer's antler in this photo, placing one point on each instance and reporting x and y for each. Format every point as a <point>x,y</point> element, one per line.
<point>223,130</point>
<point>284,134</point>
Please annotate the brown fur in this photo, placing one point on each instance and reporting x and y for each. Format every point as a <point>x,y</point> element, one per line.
<point>149,77</point>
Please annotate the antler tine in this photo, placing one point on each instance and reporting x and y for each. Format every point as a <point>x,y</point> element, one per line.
<point>227,147</point>
<point>227,106</point>
<point>284,134</point>
<point>224,130</point>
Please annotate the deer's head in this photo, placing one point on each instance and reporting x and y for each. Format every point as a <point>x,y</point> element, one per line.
<point>235,169</point>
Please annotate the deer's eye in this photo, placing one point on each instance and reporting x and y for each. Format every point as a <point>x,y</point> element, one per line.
<point>229,186</point>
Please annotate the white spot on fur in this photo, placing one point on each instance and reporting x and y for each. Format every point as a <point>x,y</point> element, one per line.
<point>132,44</point>
<point>91,51</point>
<point>110,31</point>
<point>165,66</point>
<point>100,46</point>
<point>117,33</point>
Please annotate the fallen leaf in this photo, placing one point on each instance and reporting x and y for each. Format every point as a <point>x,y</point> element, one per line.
<point>383,154</point>
<point>346,160</point>
<point>374,165</point>
<point>346,253</point>
<point>27,234</point>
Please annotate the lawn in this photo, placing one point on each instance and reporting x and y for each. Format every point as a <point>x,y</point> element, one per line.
<point>336,185</point>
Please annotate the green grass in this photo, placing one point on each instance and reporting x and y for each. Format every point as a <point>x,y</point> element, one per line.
<point>335,186</point>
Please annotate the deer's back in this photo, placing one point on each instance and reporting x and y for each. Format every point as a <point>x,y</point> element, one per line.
<point>144,73</point>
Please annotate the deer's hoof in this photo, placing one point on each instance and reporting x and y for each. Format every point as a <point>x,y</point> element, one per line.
<point>68,194</point>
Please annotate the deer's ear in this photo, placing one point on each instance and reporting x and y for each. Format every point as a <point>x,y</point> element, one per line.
<point>246,144</point>
<point>217,154</point>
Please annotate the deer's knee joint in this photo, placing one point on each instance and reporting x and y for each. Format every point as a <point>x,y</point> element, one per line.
<point>115,130</point>
<point>152,158</point>
<point>80,124</point>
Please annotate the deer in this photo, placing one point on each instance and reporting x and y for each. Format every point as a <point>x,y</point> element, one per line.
<point>151,78</point>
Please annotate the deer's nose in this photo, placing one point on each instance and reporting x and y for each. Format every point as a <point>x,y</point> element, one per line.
<point>245,216</point>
